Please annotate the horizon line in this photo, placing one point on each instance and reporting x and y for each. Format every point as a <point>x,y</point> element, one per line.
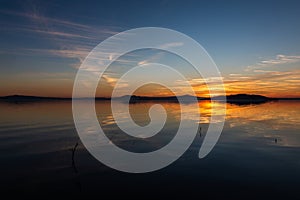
<point>104,97</point>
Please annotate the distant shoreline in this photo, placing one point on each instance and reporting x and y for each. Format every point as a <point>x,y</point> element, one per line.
<point>238,99</point>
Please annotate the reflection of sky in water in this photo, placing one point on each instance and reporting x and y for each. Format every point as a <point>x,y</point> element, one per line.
<point>273,121</point>
<point>257,142</point>
<point>270,121</point>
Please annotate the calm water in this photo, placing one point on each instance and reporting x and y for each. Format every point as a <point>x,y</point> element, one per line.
<point>257,155</point>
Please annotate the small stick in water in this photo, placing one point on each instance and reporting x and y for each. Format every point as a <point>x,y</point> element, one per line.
<point>73,154</point>
<point>200,132</point>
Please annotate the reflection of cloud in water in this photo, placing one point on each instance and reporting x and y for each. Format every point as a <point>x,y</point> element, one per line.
<point>139,112</point>
<point>108,120</point>
<point>273,120</point>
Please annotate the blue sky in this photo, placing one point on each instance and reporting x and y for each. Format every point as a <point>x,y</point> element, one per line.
<point>45,41</point>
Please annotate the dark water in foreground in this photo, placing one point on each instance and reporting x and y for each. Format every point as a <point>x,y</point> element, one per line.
<point>257,155</point>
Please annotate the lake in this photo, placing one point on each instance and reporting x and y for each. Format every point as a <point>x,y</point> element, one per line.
<point>257,155</point>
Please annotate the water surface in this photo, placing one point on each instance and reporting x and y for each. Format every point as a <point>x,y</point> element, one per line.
<point>257,155</point>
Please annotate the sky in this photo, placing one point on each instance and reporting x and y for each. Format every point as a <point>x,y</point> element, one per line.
<point>255,44</point>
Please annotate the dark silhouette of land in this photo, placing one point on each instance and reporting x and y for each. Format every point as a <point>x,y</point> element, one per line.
<point>242,99</point>
<point>25,98</point>
<point>234,99</point>
<point>239,99</point>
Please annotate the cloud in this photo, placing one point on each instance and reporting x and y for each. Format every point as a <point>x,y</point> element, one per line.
<point>61,34</point>
<point>263,71</point>
<point>71,39</point>
<point>115,82</point>
<point>233,74</point>
<point>152,59</point>
<point>269,83</point>
<point>110,80</point>
<point>273,83</point>
<point>58,27</point>
<point>170,45</point>
<point>76,53</point>
<point>279,60</point>
<point>35,16</point>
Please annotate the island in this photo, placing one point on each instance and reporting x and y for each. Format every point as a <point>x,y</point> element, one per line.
<point>240,99</point>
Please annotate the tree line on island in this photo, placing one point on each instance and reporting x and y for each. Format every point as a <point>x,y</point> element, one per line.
<point>235,99</point>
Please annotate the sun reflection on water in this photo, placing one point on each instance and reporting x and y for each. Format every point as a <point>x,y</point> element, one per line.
<point>275,120</point>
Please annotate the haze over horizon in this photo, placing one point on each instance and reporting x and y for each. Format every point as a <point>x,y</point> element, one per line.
<point>255,44</point>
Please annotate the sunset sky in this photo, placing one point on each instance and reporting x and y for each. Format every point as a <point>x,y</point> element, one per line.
<point>255,44</point>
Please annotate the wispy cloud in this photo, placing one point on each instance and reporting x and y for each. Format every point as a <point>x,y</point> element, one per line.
<point>279,60</point>
<point>71,39</point>
<point>170,45</point>
<point>35,16</point>
<point>56,38</point>
<point>110,80</point>
<point>78,52</point>
<point>273,84</point>
<point>153,58</point>
<point>62,34</point>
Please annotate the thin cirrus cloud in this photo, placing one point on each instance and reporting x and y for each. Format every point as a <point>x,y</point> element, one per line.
<point>49,22</point>
<point>270,77</point>
<point>279,60</point>
<point>55,40</point>
<point>72,40</point>
<point>172,44</point>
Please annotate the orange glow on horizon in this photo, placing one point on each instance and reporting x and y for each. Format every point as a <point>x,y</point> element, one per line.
<point>284,84</point>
